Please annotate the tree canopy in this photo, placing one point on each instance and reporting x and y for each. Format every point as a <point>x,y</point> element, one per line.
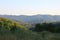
<point>51,27</point>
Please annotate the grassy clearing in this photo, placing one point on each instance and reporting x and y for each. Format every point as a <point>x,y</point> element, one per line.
<point>28,35</point>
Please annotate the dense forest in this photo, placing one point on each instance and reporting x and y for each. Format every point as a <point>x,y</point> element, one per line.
<point>12,30</point>
<point>51,27</point>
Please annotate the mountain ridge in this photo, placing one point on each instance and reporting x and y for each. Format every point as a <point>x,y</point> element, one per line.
<point>34,18</point>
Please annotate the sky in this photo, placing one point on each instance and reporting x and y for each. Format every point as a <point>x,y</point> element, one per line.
<point>29,7</point>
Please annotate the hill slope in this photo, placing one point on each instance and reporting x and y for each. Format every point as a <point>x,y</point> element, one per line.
<point>9,24</point>
<point>11,30</point>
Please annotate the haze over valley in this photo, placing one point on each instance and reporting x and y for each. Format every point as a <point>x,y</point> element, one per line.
<point>34,18</point>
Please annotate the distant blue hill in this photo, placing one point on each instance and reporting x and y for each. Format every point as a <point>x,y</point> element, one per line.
<point>34,18</point>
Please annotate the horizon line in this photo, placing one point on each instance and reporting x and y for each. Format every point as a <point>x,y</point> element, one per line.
<point>29,15</point>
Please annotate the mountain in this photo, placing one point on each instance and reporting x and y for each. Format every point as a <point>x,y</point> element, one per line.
<point>34,18</point>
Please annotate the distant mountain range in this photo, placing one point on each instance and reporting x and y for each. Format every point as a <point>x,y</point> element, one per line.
<point>34,18</point>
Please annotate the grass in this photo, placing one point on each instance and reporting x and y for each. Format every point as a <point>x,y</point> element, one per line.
<point>29,35</point>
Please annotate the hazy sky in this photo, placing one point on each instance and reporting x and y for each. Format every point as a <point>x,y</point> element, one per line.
<point>30,7</point>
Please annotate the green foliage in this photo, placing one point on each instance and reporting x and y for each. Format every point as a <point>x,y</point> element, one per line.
<point>38,27</point>
<point>11,30</point>
<point>6,24</point>
<point>51,27</point>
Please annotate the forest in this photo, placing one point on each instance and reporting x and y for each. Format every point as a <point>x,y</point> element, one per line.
<point>12,30</point>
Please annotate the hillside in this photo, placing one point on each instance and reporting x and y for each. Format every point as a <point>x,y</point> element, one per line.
<point>8,24</point>
<point>11,30</point>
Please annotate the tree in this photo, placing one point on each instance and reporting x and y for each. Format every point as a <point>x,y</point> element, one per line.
<point>38,27</point>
